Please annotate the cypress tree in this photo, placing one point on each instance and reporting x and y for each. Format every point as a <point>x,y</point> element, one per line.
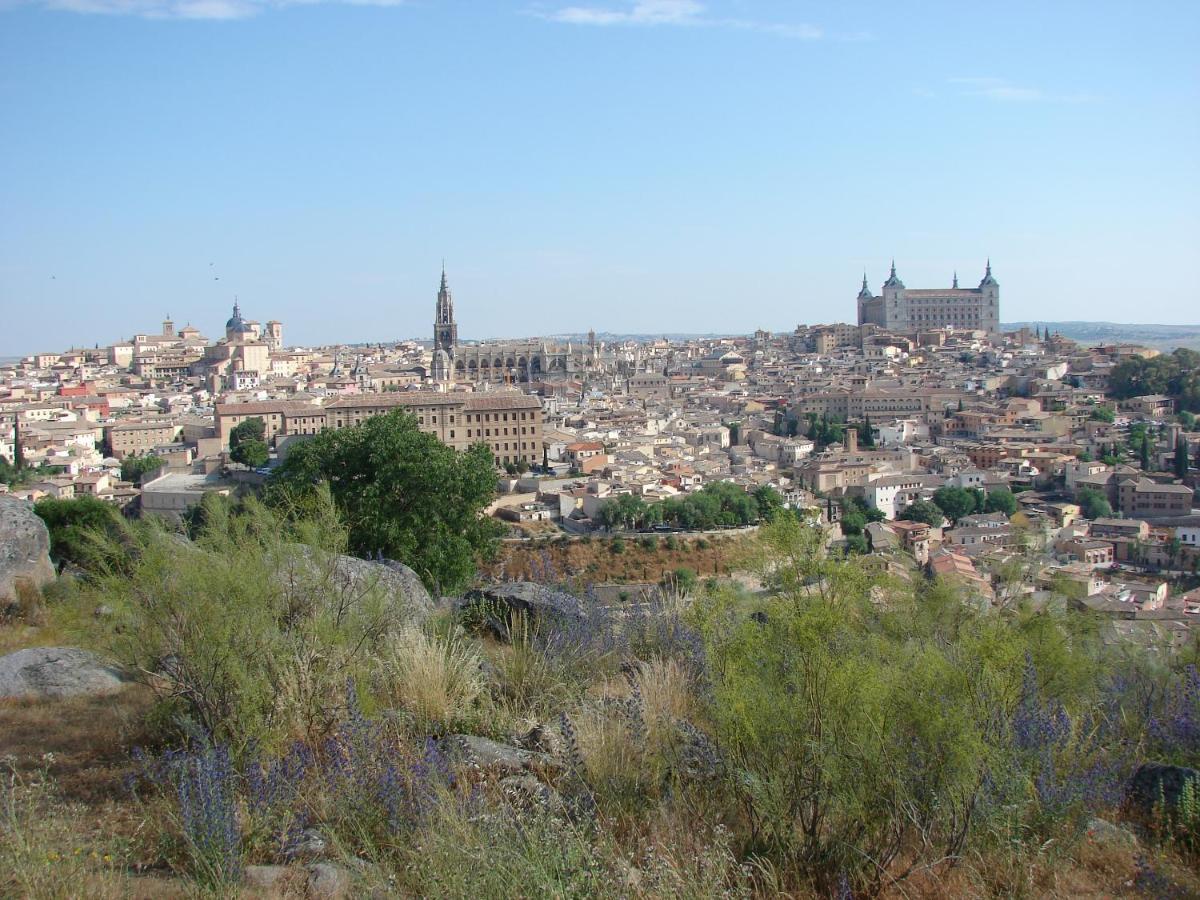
<point>1181,457</point>
<point>18,450</point>
<point>1145,452</point>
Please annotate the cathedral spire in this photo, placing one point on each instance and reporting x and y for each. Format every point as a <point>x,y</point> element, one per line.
<point>955,278</point>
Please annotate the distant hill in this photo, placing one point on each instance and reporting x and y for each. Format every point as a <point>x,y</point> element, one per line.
<point>1160,337</point>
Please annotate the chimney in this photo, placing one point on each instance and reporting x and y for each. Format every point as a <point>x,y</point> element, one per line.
<point>850,439</point>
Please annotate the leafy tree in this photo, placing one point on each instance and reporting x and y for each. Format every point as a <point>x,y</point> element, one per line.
<point>1145,452</point>
<point>1176,375</point>
<point>1103,414</point>
<point>247,443</point>
<point>1001,500</point>
<point>401,492</point>
<point>135,468</point>
<point>955,502</point>
<point>768,501</point>
<point>923,511</point>
<point>1093,504</point>
<point>866,435</point>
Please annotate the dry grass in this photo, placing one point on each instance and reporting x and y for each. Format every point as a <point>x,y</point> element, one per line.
<point>437,680</point>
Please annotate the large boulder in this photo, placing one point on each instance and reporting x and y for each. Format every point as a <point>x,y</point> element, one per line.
<point>494,607</point>
<point>24,550</point>
<point>404,589</point>
<point>502,759</point>
<point>57,672</point>
<point>1156,785</point>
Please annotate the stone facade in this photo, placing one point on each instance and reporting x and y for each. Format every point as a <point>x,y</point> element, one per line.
<point>903,309</point>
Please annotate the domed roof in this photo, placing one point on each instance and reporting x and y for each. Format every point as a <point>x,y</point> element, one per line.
<point>236,323</point>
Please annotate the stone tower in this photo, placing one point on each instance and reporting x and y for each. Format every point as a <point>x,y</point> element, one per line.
<point>445,330</point>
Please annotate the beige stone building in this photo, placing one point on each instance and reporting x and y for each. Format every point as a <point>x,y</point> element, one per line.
<point>136,438</point>
<point>903,309</point>
<point>507,421</point>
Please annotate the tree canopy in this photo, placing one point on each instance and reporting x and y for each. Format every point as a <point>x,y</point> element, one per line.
<point>955,502</point>
<point>134,468</point>
<point>1093,504</point>
<point>401,492</point>
<point>923,511</point>
<point>1176,375</point>
<point>247,443</point>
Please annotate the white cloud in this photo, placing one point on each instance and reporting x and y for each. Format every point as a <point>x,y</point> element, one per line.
<point>689,13</point>
<point>1003,91</point>
<point>213,10</point>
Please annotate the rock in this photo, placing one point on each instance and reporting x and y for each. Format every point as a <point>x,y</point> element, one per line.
<point>265,878</point>
<point>57,672</point>
<point>494,606</point>
<point>24,551</point>
<point>327,882</point>
<point>527,793</point>
<point>501,758</point>
<point>540,739</point>
<point>310,846</point>
<point>410,600</point>
<point>1156,783</point>
<point>1100,831</point>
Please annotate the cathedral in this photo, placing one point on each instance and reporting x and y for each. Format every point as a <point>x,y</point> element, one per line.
<point>903,309</point>
<point>506,362</point>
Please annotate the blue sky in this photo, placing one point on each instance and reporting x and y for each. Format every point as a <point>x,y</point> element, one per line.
<point>630,166</point>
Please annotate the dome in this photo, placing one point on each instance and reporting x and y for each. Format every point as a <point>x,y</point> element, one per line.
<point>236,324</point>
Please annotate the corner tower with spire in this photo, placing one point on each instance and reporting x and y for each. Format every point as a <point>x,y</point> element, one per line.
<point>445,329</point>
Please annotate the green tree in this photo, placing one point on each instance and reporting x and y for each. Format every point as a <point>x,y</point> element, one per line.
<point>1001,500</point>
<point>135,468</point>
<point>866,435</point>
<point>1181,457</point>
<point>247,443</point>
<point>1093,504</point>
<point>1145,452</point>
<point>402,493</point>
<point>923,511</point>
<point>1103,414</point>
<point>768,502</point>
<point>955,502</point>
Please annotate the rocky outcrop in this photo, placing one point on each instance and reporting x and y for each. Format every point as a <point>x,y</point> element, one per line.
<point>492,608</point>
<point>57,672</point>
<point>502,759</point>
<point>1156,785</point>
<point>408,598</point>
<point>24,550</point>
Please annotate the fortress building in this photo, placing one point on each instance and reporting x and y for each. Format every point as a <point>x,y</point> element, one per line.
<point>904,309</point>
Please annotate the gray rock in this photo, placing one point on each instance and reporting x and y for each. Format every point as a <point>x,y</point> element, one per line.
<point>327,882</point>
<point>265,878</point>
<point>500,758</point>
<point>527,793</point>
<point>540,739</point>
<point>57,672</point>
<point>409,599</point>
<point>1100,831</point>
<point>24,550</point>
<point>311,845</point>
<point>1157,784</point>
<point>494,606</point>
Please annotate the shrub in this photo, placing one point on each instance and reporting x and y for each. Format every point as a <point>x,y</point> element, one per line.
<point>249,636</point>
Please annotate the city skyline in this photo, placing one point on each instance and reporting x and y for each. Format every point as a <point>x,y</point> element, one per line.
<point>642,167</point>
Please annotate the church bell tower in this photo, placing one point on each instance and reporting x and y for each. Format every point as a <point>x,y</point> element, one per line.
<point>445,330</point>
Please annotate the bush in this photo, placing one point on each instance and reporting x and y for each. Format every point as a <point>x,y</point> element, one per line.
<point>247,635</point>
<point>616,545</point>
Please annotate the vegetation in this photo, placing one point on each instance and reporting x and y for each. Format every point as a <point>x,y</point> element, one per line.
<point>247,443</point>
<point>135,468</point>
<point>1177,375</point>
<point>402,494</point>
<point>924,511</point>
<point>1093,504</point>
<point>718,505</point>
<point>842,735</point>
<point>84,532</point>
